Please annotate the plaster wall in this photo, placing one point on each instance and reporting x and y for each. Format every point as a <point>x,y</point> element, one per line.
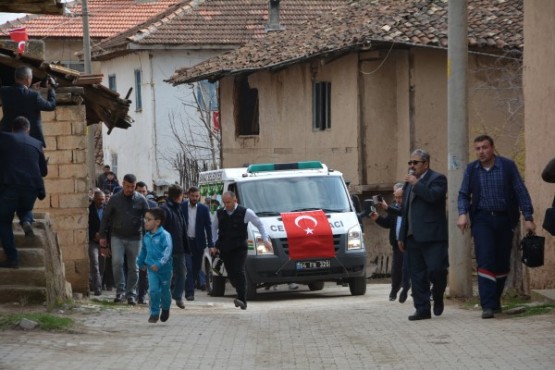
<point>539,113</point>
<point>285,112</point>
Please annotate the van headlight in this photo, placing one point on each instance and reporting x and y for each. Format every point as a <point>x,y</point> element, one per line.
<point>259,246</point>
<point>354,238</point>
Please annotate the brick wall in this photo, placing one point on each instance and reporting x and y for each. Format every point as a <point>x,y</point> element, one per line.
<point>67,190</point>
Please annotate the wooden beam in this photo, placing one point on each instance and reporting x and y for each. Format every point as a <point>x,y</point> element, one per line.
<point>50,7</point>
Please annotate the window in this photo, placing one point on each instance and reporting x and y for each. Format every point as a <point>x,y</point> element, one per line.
<point>138,91</point>
<point>321,105</point>
<point>246,108</point>
<point>76,65</point>
<point>112,82</point>
<point>207,96</point>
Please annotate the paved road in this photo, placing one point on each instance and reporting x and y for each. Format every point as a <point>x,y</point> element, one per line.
<point>289,330</point>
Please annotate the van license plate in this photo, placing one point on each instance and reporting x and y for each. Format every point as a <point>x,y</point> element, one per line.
<point>313,265</point>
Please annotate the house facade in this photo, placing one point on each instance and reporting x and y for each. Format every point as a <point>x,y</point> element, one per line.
<point>183,36</point>
<point>62,31</point>
<point>363,87</point>
<point>149,148</point>
<point>539,94</point>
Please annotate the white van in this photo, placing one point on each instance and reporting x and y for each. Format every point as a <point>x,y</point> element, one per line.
<point>270,190</point>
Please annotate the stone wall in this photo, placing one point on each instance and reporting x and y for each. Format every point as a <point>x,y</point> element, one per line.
<point>67,190</point>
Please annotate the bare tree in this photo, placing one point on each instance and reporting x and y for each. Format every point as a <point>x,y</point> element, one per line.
<point>197,141</point>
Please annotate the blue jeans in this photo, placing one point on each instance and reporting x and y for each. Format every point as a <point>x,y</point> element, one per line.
<point>129,248</point>
<point>190,281</point>
<point>14,198</point>
<point>159,289</point>
<point>198,276</point>
<point>179,276</point>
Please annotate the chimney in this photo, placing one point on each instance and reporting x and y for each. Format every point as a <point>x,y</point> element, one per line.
<point>273,16</point>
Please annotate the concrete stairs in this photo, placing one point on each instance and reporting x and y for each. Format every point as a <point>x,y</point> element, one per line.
<point>40,276</point>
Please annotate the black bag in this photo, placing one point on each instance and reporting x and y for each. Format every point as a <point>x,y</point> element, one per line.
<point>532,250</point>
<point>549,219</point>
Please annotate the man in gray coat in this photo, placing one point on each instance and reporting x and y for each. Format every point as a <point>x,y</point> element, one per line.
<point>124,216</point>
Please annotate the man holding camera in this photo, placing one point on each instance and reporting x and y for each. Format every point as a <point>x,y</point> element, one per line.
<point>24,99</point>
<point>392,221</point>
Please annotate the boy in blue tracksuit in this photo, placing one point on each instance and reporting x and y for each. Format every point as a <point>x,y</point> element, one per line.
<point>156,258</point>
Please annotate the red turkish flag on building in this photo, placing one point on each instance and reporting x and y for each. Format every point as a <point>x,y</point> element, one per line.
<point>19,35</point>
<point>216,121</point>
<point>309,235</point>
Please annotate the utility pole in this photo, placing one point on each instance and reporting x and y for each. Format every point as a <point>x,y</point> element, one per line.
<point>91,152</point>
<point>460,278</point>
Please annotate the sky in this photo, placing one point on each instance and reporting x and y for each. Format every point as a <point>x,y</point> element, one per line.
<point>4,17</point>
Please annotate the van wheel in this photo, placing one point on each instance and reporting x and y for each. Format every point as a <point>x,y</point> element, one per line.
<point>215,285</point>
<point>316,285</point>
<point>357,285</point>
<point>251,289</point>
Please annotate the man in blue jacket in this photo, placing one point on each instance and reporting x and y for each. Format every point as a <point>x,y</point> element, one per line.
<point>492,192</point>
<point>21,171</point>
<point>22,100</point>
<point>199,235</point>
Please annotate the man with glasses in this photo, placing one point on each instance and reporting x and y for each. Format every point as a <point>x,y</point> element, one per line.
<point>423,234</point>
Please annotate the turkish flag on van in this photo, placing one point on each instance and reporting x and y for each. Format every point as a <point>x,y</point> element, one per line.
<point>309,235</point>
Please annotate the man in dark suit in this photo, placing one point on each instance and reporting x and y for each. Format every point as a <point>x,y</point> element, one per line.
<point>399,265</point>
<point>22,100</point>
<point>199,234</point>
<point>21,171</point>
<point>423,234</point>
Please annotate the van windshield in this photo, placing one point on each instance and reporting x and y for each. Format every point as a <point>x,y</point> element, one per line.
<point>273,196</point>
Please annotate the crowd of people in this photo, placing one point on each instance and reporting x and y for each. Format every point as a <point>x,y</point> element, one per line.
<point>137,244</point>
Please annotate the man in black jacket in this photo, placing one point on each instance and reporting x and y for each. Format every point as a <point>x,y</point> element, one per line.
<point>177,227</point>
<point>423,234</point>
<point>21,171</point>
<point>22,100</point>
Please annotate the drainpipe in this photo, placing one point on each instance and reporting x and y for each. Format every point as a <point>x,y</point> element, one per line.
<point>154,122</point>
<point>273,16</point>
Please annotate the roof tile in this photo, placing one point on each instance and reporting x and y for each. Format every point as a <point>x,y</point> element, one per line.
<point>215,22</point>
<point>492,24</point>
<point>106,18</point>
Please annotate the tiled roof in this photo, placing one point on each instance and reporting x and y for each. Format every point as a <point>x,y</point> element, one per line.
<point>221,23</point>
<point>106,18</point>
<point>493,25</point>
